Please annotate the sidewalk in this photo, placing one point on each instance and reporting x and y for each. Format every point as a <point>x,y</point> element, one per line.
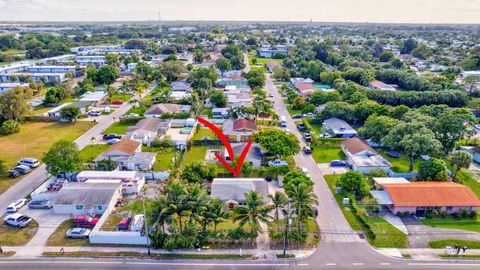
<point>422,253</point>
<point>267,254</point>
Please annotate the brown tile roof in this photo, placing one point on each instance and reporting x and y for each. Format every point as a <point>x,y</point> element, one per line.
<point>125,146</point>
<point>431,194</point>
<point>150,124</point>
<point>304,86</point>
<point>244,124</point>
<point>355,145</point>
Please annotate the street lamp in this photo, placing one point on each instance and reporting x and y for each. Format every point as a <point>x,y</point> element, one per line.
<point>146,227</point>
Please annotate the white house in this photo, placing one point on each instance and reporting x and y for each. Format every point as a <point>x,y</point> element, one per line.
<point>132,181</point>
<point>51,69</point>
<point>362,158</point>
<point>232,190</point>
<point>339,128</point>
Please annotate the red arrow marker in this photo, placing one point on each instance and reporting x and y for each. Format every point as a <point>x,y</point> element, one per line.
<point>228,146</point>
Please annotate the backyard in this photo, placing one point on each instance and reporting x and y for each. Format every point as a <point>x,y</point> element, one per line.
<point>90,152</point>
<point>399,164</point>
<point>380,234</point>
<point>120,127</point>
<point>165,157</point>
<point>325,154</point>
<point>34,139</point>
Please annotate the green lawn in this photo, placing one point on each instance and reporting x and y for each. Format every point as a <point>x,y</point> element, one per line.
<point>262,61</point>
<point>324,154</point>
<point>57,238</point>
<point>311,227</point>
<point>292,112</point>
<point>196,153</point>
<point>10,236</point>
<point>399,164</point>
<point>140,110</point>
<point>90,152</point>
<point>204,132</point>
<point>121,97</point>
<point>386,234</point>
<point>165,157</point>
<point>118,127</point>
<point>468,179</point>
<point>452,242</point>
<point>34,139</point>
<point>466,224</point>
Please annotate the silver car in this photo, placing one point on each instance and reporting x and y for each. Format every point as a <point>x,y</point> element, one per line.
<point>78,233</point>
<point>39,205</point>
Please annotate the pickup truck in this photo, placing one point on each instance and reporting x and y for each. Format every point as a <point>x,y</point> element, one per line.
<point>277,162</point>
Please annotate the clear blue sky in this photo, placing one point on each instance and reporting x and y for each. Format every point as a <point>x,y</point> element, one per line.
<point>403,11</point>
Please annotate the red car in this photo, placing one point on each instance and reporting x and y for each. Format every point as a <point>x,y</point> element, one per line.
<point>124,224</point>
<point>116,102</point>
<point>85,221</point>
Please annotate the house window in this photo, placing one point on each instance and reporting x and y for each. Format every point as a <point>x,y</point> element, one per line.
<point>79,207</point>
<point>449,209</point>
<point>100,207</point>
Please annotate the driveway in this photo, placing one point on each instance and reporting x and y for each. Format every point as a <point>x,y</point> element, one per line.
<point>419,234</point>
<point>325,168</point>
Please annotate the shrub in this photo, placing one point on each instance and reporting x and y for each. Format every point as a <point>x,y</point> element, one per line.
<point>9,127</point>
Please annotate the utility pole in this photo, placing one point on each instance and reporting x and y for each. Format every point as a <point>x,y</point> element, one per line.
<point>146,226</point>
<point>285,238</point>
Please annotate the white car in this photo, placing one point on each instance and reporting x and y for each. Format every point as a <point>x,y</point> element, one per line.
<point>94,113</point>
<point>17,220</point>
<point>78,233</point>
<point>305,171</point>
<point>131,115</point>
<point>277,162</point>
<point>30,162</point>
<point>113,141</point>
<point>15,206</point>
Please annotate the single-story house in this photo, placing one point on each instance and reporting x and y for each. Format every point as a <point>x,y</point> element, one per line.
<point>141,161</point>
<point>380,181</point>
<point>87,198</point>
<point>132,181</point>
<point>240,130</point>
<point>121,152</point>
<point>232,190</point>
<point>272,65</point>
<point>419,198</point>
<point>233,80</point>
<point>219,112</point>
<point>158,109</point>
<point>362,158</point>
<point>339,128</point>
<point>94,98</point>
<point>147,129</point>
<point>239,99</point>
<point>254,155</point>
<point>305,89</point>
<point>7,86</point>
<point>379,85</point>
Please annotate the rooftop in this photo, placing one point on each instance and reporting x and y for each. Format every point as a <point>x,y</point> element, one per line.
<point>125,146</point>
<point>86,194</point>
<point>227,189</point>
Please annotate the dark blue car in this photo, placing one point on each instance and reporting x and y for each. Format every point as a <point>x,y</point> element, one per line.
<point>338,163</point>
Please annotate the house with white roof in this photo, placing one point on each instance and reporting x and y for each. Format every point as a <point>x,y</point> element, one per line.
<point>339,128</point>
<point>232,190</point>
<point>362,158</point>
<point>132,181</point>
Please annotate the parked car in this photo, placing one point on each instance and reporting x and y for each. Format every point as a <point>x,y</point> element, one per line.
<point>338,163</point>
<point>15,206</point>
<point>111,136</point>
<point>94,113</point>
<point>277,162</point>
<point>297,116</point>
<point>124,224</point>
<point>30,162</point>
<point>22,169</point>
<point>78,233</point>
<point>305,171</point>
<point>13,173</point>
<point>113,141</point>
<point>325,135</point>
<point>394,154</point>
<point>17,220</point>
<point>288,131</point>
<point>301,127</point>
<point>270,95</point>
<point>307,150</point>
<point>307,137</point>
<point>85,221</point>
<point>117,102</point>
<point>131,115</point>
<point>308,115</point>
<point>137,223</point>
<point>39,204</point>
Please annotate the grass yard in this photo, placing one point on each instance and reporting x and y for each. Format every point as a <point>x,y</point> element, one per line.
<point>140,110</point>
<point>10,236</point>
<point>165,157</point>
<point>399,164</point>
<point>311,227</point>
<point>90,152</point>
<point>121,97</point>
<point>386,234</point>
<point>292,112</point>
<point>262,61</point>
<point>441,244</point>
<point>204,132</point>
<point>57,238</point>
<point>466,224</point>
<point>34,139</point>
<point>324,154</point>
<point>196,153</point>
<point>468,179</point>
<point>118,127</point>
<point>144,255</point>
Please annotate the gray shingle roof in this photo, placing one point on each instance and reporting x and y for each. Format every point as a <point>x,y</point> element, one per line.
<point>235,188</point>
<point>86,194</point>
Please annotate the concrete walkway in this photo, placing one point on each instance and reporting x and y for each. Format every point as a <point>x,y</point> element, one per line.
<point>396,222</point>
<point>432,254</point>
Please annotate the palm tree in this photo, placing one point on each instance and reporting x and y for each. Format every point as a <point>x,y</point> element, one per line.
<point>279,200</point>
<point>197,205</point>
<point>177,201</point>
<point>217,212</point>
<point>303,201</point>
<point>253,212</point>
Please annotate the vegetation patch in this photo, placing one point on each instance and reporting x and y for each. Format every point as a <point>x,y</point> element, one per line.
<point>11,236</point>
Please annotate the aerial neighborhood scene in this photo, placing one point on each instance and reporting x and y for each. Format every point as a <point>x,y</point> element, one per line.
<point>309,135</point>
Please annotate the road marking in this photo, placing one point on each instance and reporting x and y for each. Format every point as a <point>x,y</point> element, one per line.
<point>209,264</point>
<point>302,264</point>
<point>385,263</point>
<point>59,262</point>
<point>444,264</point>
<point>330,264</point>
<point>357,263</point>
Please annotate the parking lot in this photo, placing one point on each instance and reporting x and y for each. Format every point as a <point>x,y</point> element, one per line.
<point>325,168</point>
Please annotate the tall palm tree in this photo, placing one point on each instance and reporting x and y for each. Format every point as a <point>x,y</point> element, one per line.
<point>253,212</point>
<point>279,200</point>
<point>216,212</point>
<point>197,204</point>
<point>303,201</point>
<point>177,202</point>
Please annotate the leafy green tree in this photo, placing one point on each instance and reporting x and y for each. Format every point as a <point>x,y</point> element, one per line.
<point>449,128</point>
<point>298,103</point>
<point>9,127</point>
<point>70,112</point>
<point>278,202</point>
<point>197,172</point>
<point>359,75</point>
<point>303,203</point>
<point>171,70</point>
<point>409,45</point>
<point>106,165</point>
<point>377,126</point>
<point>216,212</point>
<point>14,103</point>
<point>218,98</point>
<point>223,64</point>
<point>433,170</point>
<point>252,213</point>
<point>460,160</point>
<point>354,182</point>
<point>106,75</point>
<point>203,78</point>
<point>63,157</point>
<point>386,56</point>
<point>256,79</point>
<point>278,142</point>
<point>295,178</point>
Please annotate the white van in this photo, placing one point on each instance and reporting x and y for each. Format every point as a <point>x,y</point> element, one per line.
<point>283,121</point>
<point>30,162</point>
<point>137,223</point>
